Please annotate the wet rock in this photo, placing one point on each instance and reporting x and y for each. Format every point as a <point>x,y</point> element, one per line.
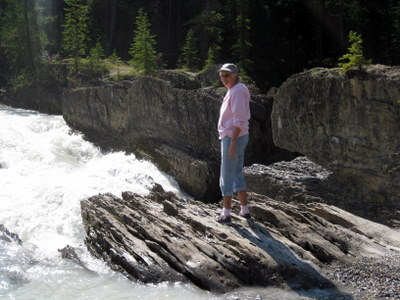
<point>17,259</point>
<point>69,252</point>
<point>7,236</point>
<point>151,240</point>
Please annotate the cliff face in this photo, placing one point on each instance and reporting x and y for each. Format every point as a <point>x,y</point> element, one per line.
<point>174,127</point>
<point>349,125</point>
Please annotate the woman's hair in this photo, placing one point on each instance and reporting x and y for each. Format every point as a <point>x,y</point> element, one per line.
<point>238,79</point>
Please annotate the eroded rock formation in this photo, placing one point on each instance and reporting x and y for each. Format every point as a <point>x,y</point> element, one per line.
<point>349,124</point>
<point>161,237</point>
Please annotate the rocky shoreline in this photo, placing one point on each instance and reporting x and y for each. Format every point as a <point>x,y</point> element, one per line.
<point>364,278</point>
<point>161,237</point>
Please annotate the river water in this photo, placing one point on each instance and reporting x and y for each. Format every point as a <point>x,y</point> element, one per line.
<point>45,171</point>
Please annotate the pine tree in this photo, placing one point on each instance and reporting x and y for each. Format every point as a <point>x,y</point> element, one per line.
<point>190,55</point>
<point>355,57</point>
<point>75,33</point>
<point>143,53</point>
<point>96,53</point>
<point>211,56</point>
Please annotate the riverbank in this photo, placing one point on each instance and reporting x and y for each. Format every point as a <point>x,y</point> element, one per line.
<point>163,237</point>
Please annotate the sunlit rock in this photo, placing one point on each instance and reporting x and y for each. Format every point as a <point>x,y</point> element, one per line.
<point>350,125</point>
<point>161,237</point>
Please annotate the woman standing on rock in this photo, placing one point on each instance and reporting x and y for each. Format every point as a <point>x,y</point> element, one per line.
<point>233,129</point>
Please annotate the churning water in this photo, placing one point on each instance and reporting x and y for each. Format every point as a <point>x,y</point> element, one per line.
<point>45,171</point>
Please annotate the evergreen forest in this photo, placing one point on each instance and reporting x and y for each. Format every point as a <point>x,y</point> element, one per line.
<point>269,39</point>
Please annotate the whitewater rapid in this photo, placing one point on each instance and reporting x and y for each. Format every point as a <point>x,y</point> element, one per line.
<point>45,171</point>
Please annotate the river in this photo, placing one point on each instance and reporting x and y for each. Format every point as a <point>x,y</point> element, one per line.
<point>45,171</point>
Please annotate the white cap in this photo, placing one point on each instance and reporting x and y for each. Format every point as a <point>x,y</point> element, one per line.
<point>229,68</point>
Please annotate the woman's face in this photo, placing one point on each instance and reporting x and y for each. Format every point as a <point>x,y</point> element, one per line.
<point>228,79</point>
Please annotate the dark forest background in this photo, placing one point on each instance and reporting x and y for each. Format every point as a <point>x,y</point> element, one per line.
<point>272,39</point>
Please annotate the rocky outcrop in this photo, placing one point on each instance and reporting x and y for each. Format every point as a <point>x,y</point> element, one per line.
<point>209,77</point>
<point>161,237</point>
<point>303,181</point>
<point>9,237</point>
<point>44,94</point>
<point>179,79</point>
<point>349,124</point>
<point>36,97</point>
<point>174,127</point>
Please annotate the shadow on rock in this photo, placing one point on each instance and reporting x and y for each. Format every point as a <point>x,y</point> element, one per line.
<point>299,276</point>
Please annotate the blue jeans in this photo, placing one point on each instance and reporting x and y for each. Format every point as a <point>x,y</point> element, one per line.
<point>231,177</point>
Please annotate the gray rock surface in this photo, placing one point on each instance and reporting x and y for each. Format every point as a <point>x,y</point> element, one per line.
<point>303,181</point>
<point>210,76</point>
<point>179,79</point>
<point>161,237</point>
<point>348,124</point>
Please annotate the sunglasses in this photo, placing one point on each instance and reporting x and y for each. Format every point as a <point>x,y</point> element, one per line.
<point>224,75</point>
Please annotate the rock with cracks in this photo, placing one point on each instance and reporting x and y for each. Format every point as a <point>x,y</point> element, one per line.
<point>161,237</point>
<point>348,124</point>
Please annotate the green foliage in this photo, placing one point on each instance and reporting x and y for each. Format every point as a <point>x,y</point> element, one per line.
<point>95,58</point>
<point>211,57</point>
<point>20,38</point>
<point>189,58</point>
<point>142,50</point>
<point>208,26</point>
<point>355,57</point>
<point>114,58</point>
<point>76,33</point>
<point>21,80</point>
<point>97,52</point>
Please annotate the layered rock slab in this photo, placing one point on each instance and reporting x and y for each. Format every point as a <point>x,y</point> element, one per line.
<point>161,237</point>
